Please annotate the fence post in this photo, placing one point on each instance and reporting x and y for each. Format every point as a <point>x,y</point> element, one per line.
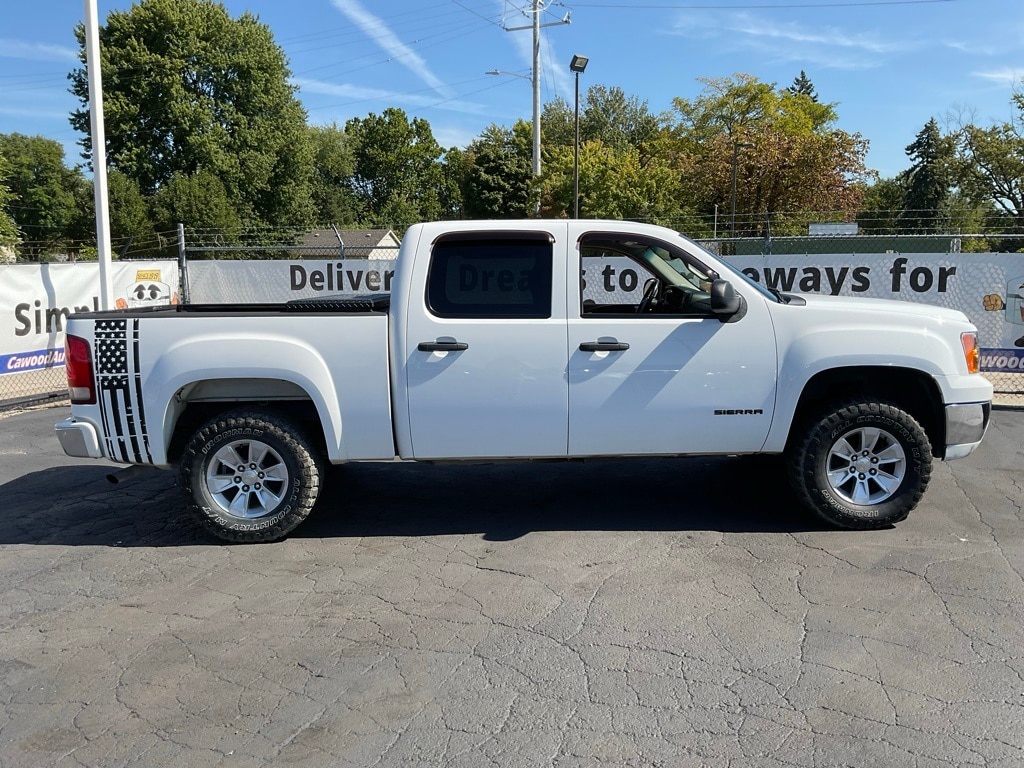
<point>182,265</point>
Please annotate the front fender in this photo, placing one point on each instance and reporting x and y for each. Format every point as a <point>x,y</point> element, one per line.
<point>813,351</point>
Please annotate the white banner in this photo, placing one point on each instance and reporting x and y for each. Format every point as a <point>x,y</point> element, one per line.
<point>37,299</point>
<point>276,281</point>
<point>987,287</point>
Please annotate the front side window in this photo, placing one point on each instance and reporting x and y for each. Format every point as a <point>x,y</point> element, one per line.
<point>628,275</point>
<point>506,277</point>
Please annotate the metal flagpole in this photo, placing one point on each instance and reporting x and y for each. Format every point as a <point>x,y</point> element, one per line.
<point>99,151</point>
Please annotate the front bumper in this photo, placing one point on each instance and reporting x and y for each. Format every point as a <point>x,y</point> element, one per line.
<point>966,424</point>
<point>79,438</point>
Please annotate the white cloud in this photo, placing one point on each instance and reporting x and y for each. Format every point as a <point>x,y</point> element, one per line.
<point>26,112</point>
<point>22,49</point>
<point>449,136</point>
<point>1005,76</point>
<point>828,36</point>
<point>826,47</point>
<point>356,93</point>
<point>375,28</point>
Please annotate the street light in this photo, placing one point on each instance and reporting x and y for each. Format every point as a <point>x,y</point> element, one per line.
<point>577,66</point>
<point>536,116</point>
<point>735,158</point>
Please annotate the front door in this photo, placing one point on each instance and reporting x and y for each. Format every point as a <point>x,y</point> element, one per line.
<point>651,369</point>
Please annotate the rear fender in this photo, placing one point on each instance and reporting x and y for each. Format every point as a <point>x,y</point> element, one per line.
<point>284,359</point>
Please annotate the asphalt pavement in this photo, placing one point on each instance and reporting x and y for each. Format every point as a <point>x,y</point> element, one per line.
<point>643,613</point>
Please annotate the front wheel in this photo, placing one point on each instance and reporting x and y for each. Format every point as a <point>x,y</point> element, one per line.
<point>862,465</point>
<point>250,476</point>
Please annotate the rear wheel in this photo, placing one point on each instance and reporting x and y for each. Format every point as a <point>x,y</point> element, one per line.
<point>862,465</point>
<point>250,476</point>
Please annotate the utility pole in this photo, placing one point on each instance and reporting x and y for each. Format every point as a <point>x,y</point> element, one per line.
<point>536,88</point>
<point>536,9</point>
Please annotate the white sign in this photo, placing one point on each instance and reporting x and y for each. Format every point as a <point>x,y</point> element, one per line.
<point>37,299</point>
<point>987,287</point>
<point>832,229</point>
<point>276,281</point>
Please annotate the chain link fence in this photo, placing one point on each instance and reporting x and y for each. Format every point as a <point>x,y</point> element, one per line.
<point>335,244</point>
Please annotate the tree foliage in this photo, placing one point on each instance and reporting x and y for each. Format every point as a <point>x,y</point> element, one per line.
<point>129,209</point>
<point>202,200</point>
<point>189,90</point>
<point>802,85</point>
<point>790,158</point>
<point>607,115</point>
<point>615,183</point>
<point>498,180</point>
<point>397,174</point>
<point>47,195</point>
<point>993,162</point>
<point>929,180</point>
<point>8,228</point>
<point>882,207</point>
<point>333,164</point>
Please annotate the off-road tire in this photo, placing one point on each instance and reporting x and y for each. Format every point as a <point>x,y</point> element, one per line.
<point>293,455</point>
<point>885,441</point>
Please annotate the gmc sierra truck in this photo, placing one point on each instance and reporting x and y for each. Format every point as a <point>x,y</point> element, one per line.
<point>501,341</point>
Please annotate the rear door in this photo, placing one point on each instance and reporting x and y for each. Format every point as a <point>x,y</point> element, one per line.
<point>486,347</point>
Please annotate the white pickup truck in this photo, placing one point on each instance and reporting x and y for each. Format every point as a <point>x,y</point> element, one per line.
<point>499,341</point>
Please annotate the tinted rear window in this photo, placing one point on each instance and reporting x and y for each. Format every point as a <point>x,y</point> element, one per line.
<point>490,278</point>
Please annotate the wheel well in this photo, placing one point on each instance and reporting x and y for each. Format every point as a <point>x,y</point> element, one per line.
<point>302,413</point>
<point>913,391</point>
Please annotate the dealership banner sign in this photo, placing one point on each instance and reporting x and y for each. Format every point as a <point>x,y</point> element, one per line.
<point>37,299</point>
<point>987,287</point>
<point>275,281</point>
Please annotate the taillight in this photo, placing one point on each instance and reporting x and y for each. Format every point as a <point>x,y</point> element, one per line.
<point>78,364</point>
<point>971,352</point>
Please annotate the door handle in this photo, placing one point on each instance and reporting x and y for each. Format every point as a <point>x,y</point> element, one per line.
<point>442,346</point>
<point>604,346</point>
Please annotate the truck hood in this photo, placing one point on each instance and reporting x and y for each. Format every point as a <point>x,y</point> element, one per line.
<point>904,308</point>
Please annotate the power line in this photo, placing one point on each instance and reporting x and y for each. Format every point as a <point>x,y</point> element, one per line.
<point>731,7</point>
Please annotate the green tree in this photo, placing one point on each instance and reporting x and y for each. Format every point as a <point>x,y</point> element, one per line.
<point>615,183</point>
<point>397,173</point>
<point>333,166</point>
<point>190,90</point>
<point>992,163</point>
<point>791,160</point>
<point>129,212</point>
<point>9,236</point>
<point>802,85</point>
<point>498,183</point>
<point>882,207</point>
<point>929,179</point>
<point>607,115</point>
<point>200,200</point>
<point>454,169</point>
<point>47,194</point>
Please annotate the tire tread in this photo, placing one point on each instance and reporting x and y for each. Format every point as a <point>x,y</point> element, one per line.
<point>802,465</point>
<point>310,473</point>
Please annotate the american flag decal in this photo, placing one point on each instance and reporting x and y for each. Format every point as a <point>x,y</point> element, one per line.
<point>120,391</point>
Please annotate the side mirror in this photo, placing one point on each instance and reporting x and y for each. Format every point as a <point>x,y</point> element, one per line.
<point>724,299</point>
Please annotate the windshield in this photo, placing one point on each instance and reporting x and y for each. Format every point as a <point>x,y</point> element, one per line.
<point>768,294</point>
<point>676,271</point>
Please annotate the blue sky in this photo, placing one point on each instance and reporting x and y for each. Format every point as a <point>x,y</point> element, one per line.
<point>889,65</point>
